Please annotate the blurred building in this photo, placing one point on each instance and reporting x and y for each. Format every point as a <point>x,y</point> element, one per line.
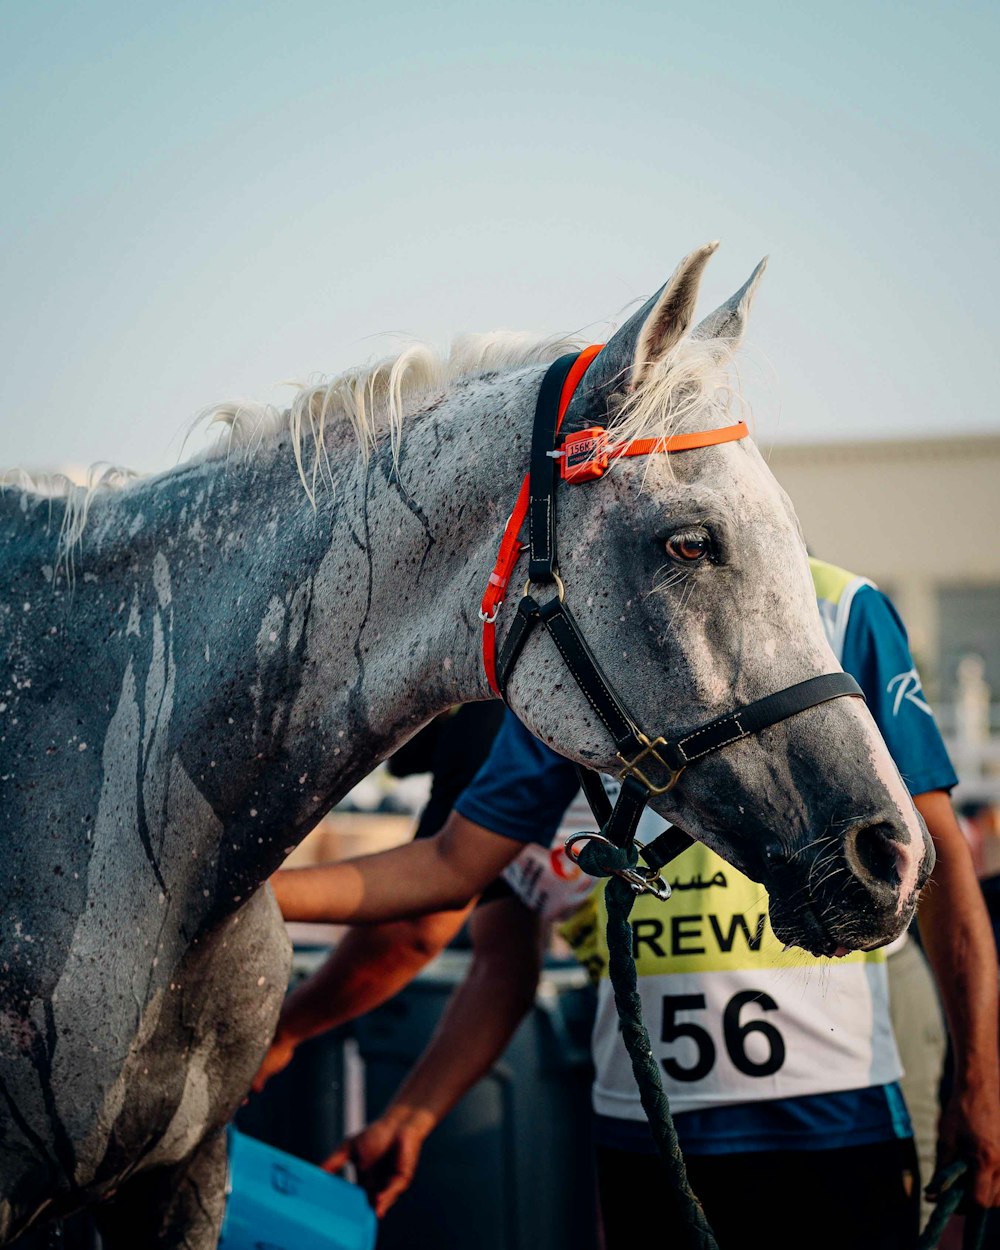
<point>921,517</point>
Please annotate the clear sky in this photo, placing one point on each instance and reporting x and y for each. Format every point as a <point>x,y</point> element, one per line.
<point>203,200</point>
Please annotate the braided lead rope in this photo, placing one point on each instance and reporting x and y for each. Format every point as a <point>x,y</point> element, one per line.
<point>952,1185</point>
<point>601,860</point>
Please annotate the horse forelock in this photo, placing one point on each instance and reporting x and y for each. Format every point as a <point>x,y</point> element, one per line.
<point>693,386</point>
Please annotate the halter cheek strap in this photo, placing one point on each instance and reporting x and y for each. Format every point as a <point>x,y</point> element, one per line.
<point>558,387</point>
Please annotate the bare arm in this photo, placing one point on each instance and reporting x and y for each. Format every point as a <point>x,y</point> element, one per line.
<point>957,936</point>
<point>367,967</point>
<point>478,1022</point>
<point>434,874</point>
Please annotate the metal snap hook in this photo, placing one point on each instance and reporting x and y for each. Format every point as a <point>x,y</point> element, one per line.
<point>641,881</point>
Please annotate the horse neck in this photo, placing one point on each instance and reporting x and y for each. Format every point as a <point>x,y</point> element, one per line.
<point>289,647</point>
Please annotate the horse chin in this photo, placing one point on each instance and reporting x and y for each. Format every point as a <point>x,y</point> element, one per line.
<point>801,926</point>
<point>803,929</point>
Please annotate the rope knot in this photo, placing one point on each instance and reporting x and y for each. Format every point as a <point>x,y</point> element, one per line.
<point>599,858</point>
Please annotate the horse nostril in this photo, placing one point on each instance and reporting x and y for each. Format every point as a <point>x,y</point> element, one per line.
<point>873,853</point>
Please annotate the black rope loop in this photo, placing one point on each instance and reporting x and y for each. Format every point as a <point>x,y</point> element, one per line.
<point>599,858</point>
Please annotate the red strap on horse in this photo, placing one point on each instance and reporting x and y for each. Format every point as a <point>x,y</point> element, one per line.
<point>510,544</point>
<point>583,457</point>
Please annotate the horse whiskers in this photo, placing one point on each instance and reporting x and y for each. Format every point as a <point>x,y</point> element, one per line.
<point>848,934</point>
<point>846,821</point>
<point>679,610</point>
<point>674,577</point>
<point>664,586</point>
<point>802,849</point>
<point>826,864</point>
<point>835,870</point>
<point>821,864</point>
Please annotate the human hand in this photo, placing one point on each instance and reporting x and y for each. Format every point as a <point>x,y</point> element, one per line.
<point>970,1130</point>
<point>385,1154</point>
<point>278,1057</point>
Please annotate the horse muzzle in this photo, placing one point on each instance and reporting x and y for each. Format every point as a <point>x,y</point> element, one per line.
<point>858,892</point>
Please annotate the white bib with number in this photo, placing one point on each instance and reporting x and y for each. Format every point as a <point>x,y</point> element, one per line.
<point>732,1017</point>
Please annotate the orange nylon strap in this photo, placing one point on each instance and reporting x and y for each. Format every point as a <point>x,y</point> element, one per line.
<point>680,442</point>
<point>510,544</point>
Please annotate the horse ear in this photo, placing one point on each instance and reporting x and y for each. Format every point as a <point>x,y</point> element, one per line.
<point>650,333</point>
<point>729,321</point>
<point>672,315</point>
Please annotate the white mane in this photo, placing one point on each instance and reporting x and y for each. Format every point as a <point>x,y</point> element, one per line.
<point>78,496</point>
<point>370,400</point>
<point>374,400</point>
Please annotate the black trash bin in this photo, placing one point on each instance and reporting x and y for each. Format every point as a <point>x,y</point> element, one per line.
<point>511,1167</point>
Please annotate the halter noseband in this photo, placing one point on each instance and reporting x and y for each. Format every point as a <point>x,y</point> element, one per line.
<point>650,766</point>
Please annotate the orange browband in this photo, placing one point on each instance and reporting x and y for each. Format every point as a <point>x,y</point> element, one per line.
<point>582,457</point>
<point>683,442</point>
<point>586,454</point>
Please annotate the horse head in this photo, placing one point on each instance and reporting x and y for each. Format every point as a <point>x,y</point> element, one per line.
<point>688,576</point>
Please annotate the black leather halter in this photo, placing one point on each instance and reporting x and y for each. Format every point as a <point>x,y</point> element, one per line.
<point>650,765</point>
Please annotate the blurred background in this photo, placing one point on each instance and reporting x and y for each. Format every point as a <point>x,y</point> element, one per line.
<point>204,202</point>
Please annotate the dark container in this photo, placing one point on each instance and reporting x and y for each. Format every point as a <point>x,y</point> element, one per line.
<point>511,1167</point>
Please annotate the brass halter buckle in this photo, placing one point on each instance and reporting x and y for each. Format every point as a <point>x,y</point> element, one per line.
<point>640,880</point>
<point>631,769</point>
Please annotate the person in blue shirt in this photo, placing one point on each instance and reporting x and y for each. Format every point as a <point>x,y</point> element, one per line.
<point>795,1136</point>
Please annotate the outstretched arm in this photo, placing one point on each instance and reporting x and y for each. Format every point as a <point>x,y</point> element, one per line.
<point>478,1022</point>
<point>367,967</point>
<point>957,936</point>
<point>433,874</point>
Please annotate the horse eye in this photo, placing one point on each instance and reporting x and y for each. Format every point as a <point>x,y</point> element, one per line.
<point>690,546</point>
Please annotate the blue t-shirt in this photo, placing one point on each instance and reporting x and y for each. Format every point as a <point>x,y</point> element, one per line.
<point>877,655</point>
<point>524,788</point>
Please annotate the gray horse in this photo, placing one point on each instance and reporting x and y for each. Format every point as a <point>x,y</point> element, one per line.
<point>197,665</point>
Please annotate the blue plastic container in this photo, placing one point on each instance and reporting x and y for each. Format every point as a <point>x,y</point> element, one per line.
<point>278,1202</point>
